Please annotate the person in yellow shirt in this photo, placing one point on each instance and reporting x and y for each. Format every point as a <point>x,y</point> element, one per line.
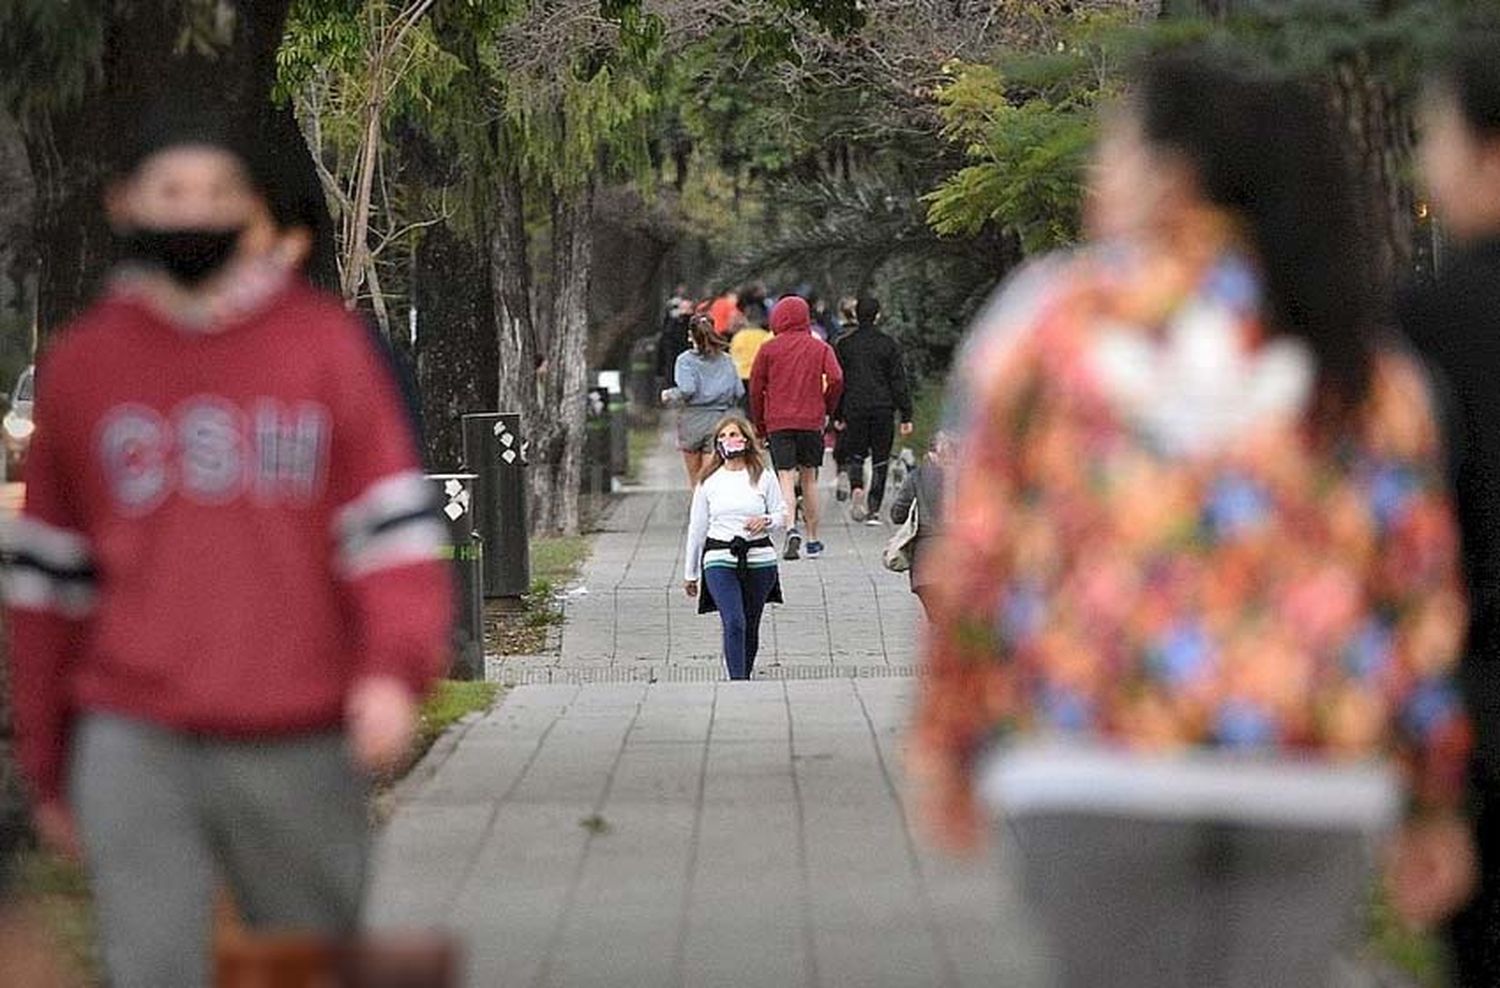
<point>745,344</point>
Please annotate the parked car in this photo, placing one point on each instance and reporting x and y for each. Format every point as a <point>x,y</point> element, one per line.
<point>17,426</point>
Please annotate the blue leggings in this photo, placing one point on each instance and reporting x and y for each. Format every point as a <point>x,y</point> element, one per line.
<point>740,607</point>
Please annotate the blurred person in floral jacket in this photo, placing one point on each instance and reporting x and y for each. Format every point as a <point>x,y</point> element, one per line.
<point>1198,597</point>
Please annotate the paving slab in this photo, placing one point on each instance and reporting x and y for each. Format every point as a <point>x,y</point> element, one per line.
<point>687,834</point>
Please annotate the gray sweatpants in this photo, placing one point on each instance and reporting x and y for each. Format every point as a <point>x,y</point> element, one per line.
<point>164,817</point>
<point>1142,903</point>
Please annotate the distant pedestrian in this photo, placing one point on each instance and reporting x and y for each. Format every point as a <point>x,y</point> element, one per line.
<point>922,491</point>
<point>794,390</point>
<point>1455,324</point>
<point>730,560</point>
<point>848,318</point>
<point>726,312</point>
<point>707,387</point>
<point>876,393</point>
<point>1199,599</point>
<point>185,717</point>
<point>672,341</point>
<point>751,335</point>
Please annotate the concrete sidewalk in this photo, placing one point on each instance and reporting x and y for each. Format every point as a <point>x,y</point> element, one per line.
<point>629,620</point>
<point>689,834</point>
<point>639,823</point>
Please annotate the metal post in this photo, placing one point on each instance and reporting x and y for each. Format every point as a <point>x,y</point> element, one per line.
<point>495,450</point>
<point>466,551</point>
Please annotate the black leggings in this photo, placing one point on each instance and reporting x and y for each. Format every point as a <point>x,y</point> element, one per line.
<point>870,434</point>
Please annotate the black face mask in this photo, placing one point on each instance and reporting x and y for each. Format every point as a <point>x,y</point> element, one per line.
<point>189,255</point>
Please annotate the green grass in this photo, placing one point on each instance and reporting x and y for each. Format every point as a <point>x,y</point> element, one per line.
<point>1420,956</point>
<point>58,891</point>
<point>447,704</point>
<point>557,560</point>
<point>927,415</point>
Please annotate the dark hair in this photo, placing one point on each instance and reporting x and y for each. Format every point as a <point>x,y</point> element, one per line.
<point>701,332</point>
<point>1265,150</point>
<point>166,124</point>
<point>866,310</point>
<point>1470,74</point>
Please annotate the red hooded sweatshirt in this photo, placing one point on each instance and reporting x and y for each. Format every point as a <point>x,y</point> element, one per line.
<point>796,382</point>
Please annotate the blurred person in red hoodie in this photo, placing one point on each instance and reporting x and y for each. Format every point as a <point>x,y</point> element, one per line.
<point>795,388</point>
<point>224,594</point>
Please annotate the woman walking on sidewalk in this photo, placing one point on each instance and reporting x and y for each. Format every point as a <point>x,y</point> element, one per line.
<point>707,387</point>
<point>922,491</point>
<point>736,506</point>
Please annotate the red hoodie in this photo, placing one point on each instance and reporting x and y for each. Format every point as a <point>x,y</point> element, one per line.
<point>796,382</point>
<point>222,532</point>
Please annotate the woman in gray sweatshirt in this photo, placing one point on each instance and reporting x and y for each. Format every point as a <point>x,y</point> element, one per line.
<point>707,387</point>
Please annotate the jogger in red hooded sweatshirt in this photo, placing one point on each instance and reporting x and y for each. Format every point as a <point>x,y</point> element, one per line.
<point>795,387</point>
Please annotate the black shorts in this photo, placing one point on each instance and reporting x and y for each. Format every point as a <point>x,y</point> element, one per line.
<point>793,449</point>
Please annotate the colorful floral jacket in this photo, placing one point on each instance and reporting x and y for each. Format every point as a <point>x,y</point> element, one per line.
<point>1164,560</point>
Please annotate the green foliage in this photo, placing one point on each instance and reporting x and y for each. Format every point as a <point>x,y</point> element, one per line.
<point>1026,126</point>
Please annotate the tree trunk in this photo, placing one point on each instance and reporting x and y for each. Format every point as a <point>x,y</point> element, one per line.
<point>456,340</point>
<point>1381,139</point>
<point>74,152</point>
<point>567,358</point>
<point>558,477</point>
<point>17,253</point>
<point>518,352</point>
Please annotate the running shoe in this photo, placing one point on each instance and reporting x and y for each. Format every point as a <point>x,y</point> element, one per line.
<point>858,511</point>
<point>814,550</point>
<point>794,545</point>
<point>841,490</point>
<point>874,521</point>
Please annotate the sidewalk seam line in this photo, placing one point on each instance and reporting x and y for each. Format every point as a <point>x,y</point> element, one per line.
<point>570,897</point>
<point>679,962</point>
<point>934,931</point>
<point>804,893</point>
<point>489,825</point>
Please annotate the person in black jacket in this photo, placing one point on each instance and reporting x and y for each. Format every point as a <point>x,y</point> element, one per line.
<point>875,392</point>
<point>1455,325</point>
<point>673,341</point>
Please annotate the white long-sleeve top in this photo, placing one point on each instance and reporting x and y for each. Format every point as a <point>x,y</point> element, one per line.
<point>722,505</point>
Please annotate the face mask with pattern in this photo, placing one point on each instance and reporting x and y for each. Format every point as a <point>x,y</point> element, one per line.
<point>733,447</point>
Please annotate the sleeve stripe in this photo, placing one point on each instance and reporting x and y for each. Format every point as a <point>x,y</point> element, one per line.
<point>34,590</point>
<point>73,574</point>
<point>416,540</point>
<point>396,521</point>
<point>391,497</point>
<point>52,548</point>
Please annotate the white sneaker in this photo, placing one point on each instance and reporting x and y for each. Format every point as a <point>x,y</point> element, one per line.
<point>858,511</point>
<point>874,521</point>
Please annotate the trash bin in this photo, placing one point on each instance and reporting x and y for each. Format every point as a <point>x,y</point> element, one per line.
<point>495,450</point>
<point>619,422</point>
<point>596,443</point>
<point>465,549</point>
